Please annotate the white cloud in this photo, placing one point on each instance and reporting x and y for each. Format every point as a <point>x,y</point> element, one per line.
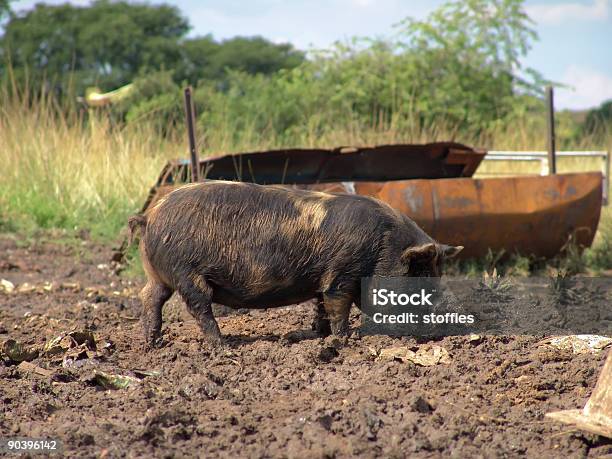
<point>558,13</point>
<point>363,3</point>
<point>589,88</point>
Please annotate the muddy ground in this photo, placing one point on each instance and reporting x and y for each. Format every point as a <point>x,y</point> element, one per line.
<point>272,390</point>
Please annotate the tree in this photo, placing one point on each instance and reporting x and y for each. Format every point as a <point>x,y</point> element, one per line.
<point>255,55</point>
<point>196,62</point>
<point>599,120</point>
<point>106,43</point>
<point>466,57</point>
<point>204,58</point>
<point>5,8</point>
<point>458,70</point>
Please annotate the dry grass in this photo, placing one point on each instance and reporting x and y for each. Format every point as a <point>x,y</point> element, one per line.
<point>58,171</point>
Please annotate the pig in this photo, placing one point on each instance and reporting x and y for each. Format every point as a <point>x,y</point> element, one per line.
<point>244,245</point>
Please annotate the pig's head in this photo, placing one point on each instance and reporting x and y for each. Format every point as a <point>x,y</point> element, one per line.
<point>427,260</point>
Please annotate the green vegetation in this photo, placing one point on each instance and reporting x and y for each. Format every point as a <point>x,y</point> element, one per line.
<point>66,48</point>
<point>454,76</point>
<point>599,120</point>
<point>458,69</point>
<point>4,8</point>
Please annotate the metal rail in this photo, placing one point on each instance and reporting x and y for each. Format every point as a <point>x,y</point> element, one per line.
<point>543,158</point>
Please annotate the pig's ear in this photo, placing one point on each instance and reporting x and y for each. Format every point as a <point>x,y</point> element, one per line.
<point>450,251</point>
<point>420,253</point>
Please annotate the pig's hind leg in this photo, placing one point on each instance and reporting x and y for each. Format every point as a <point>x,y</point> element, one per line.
<point>153,296</point>
<point>197,294</point>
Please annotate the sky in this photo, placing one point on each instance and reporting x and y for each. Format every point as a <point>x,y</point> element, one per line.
<point>574,46</point>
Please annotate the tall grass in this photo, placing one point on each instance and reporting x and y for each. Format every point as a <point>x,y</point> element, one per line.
<point>58,171</point>
<point>62,171</point>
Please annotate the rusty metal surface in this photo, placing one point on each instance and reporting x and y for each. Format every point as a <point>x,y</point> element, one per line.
<point>530,215</point>
<point>304,166</point>
<point>527,215</point>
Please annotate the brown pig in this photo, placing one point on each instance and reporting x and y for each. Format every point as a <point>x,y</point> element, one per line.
<point>251,246</point>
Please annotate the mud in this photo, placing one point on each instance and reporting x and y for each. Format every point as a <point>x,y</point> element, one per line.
<point>273,389</point>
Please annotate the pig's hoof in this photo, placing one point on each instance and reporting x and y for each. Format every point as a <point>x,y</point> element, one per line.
<point>336,341</point>
<point>154,343</point>
<point>213,339</point>
<point>212,343</point>
<point>210,332</point>
<point>340,329</point>
<point>321,327</point>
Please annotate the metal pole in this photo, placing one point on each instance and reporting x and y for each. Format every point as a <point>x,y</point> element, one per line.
<point>190,117</point>
<point>606,181</point>
<point>552,160</point>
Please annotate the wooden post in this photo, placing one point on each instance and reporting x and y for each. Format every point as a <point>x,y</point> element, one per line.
<point>190,118</point>
<point>552,158</point>
<point>596,416</point>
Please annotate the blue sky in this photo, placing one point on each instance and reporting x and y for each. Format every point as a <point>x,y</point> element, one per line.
<point>575,45</point>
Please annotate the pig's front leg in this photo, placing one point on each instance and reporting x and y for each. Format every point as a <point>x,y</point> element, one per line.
<point>320,324</point>
<point>197,294</point>
<point>338,307</point>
